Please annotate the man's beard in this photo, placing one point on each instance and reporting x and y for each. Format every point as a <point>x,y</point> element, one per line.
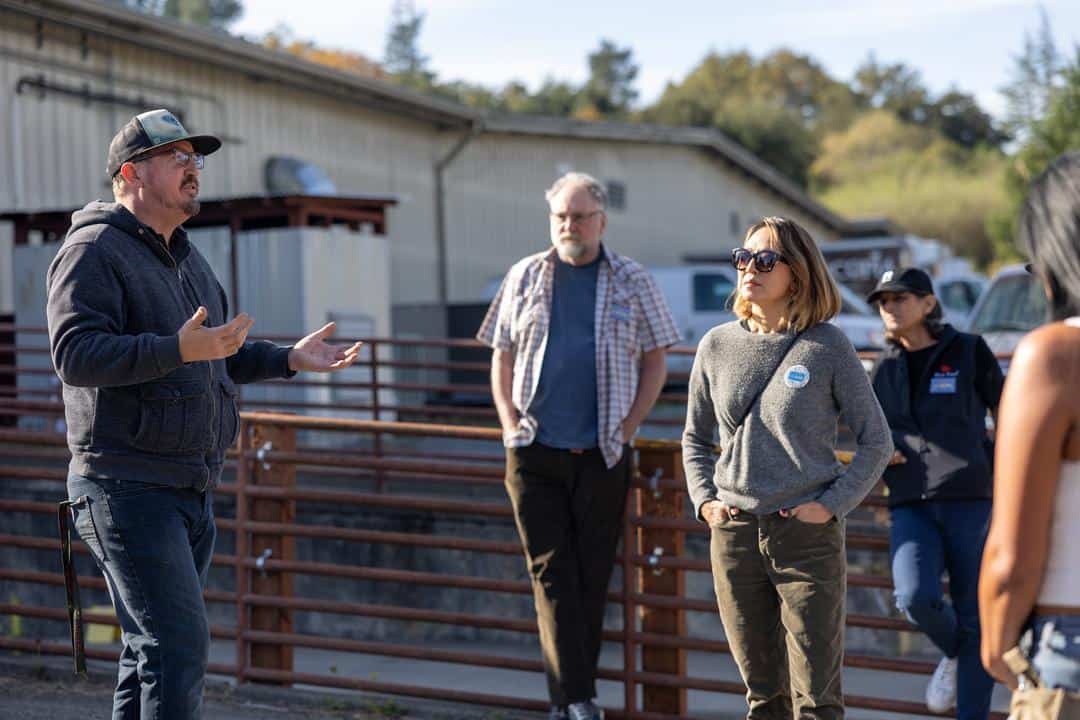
<point>191,208</point>
<point>573,249</point>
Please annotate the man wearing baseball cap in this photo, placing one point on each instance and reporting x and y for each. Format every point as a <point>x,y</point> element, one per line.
<point>140,336</point>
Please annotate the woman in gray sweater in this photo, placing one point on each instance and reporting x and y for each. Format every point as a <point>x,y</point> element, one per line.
<point>773,384</point>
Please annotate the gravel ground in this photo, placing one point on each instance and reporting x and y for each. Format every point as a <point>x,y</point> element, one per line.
<point>41,689</point>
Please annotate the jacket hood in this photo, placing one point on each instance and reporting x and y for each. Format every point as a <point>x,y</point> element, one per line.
<point>116,215</point>
<point>100,212</point>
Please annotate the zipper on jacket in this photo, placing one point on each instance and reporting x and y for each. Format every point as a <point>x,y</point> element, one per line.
<point>215,404</point>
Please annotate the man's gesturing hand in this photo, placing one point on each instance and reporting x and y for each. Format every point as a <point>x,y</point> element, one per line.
<point>315,354</point>
<point>204,343</point>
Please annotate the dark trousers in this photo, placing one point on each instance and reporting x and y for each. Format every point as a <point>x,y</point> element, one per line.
<point>780,585</point>
<point>569,511</point>
<point>926,539</point>
<point>153,544</point>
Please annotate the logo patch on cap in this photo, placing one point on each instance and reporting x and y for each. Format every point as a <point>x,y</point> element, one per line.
<point>797,376</point>
<point>161,126</point>
<point>887,277</point>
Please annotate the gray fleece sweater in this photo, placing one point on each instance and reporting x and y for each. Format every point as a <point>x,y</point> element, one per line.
<point>783,454</point>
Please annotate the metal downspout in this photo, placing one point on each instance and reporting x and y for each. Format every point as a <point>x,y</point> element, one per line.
<point>442,269</point>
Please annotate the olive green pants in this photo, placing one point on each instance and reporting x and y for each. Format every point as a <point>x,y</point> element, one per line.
<point>780,585</point>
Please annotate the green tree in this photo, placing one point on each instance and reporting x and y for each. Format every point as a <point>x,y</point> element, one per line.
<point>894,87</point>
<point>1036,75</point>
<point>899,88</point>
<point>774,134</point>
<point>211,13</point>
<point>930,185</point>
<point>1057,132</point>
<point>403,58</point>
<point>777,108</point>
<point>609,92</point>
<point>958,116</point>
<point>801,85</point>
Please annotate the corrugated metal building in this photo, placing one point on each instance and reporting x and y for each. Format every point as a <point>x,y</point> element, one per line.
<point>470,187</point>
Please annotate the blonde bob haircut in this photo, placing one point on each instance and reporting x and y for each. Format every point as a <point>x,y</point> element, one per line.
<point>814,296</point>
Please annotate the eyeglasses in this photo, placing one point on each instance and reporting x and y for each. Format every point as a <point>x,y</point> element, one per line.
<point>574,218</point>
<point>181,157</point>
<point>764,260</point>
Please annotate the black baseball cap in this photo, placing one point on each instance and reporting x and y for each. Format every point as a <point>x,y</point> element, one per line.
<point>912,280</point>
<point>149,131</point>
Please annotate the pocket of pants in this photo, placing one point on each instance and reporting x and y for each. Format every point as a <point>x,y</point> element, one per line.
<point>87,526</point>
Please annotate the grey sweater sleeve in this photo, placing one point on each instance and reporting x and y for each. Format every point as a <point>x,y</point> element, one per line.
<point>85,310</point>
<point>698,441</point>
<point>861,411</point>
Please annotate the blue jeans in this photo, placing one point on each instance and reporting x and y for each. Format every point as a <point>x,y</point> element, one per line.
<point>928,538</point>
<point>153,544</point>
<point>1053,644</point>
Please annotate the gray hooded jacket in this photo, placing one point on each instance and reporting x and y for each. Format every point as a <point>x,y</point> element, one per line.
<point>117,298</point>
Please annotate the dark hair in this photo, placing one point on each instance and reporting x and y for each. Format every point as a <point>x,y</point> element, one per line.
<point>934,322</point>
<point>1050,233</point>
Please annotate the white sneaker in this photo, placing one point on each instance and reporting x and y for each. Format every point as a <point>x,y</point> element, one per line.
<point>584,711</point>
<point>941,691</point>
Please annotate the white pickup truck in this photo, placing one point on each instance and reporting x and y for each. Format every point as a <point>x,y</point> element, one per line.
<point>700,298</point>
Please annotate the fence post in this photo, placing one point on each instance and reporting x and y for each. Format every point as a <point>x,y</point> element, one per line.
<point>243,574</point>
<point>272,656</point>
<point>659,463</point>
<point>629,608</point>
<point>380,476</point>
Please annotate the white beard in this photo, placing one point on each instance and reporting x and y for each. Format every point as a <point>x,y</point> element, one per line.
<point>572,249</point>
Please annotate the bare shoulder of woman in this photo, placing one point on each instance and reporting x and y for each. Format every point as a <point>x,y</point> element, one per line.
<point>1045,372</point>
<point>1050,354</point>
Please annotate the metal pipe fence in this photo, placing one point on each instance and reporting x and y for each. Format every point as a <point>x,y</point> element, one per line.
<point>287,469</point>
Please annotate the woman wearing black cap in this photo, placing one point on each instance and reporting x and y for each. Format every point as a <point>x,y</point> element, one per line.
<point>935,385</point>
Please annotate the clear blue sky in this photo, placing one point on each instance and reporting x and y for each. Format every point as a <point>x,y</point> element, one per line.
<point>969,44</point>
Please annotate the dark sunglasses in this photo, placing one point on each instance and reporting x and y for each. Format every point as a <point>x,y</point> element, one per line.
<point>764,260</point>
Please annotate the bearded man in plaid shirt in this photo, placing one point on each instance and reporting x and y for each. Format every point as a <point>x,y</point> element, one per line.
<point>579,336</point>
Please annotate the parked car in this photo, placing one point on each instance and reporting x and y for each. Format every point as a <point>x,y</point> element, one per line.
<point>700,299</point>
<point>958,295</point>
<point>1011,306</point>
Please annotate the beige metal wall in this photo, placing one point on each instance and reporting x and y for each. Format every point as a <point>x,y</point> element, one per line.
<point>54,147</point>
<point>679,200</point>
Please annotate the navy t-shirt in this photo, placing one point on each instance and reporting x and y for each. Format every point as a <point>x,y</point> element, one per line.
<point>565,401</point>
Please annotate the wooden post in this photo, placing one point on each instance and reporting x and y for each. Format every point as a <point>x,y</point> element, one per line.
<point>662,461</point>
<point>272,547</point>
